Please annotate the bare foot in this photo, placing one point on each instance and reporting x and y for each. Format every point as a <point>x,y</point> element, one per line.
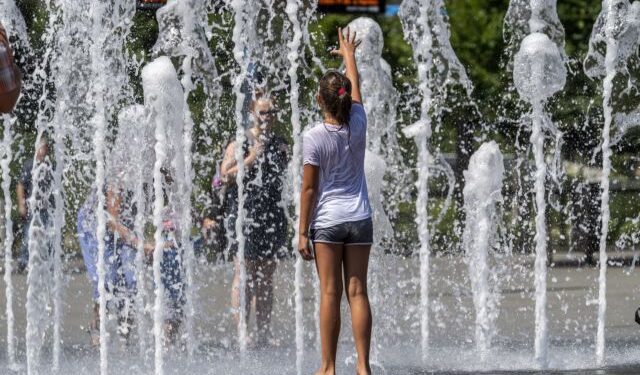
<point>94,334</point>
<point>326,372</point>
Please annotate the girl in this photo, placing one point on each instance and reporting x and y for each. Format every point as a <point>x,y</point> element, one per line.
<point>266,157</point>
<point>120,245</point>
<point>334,212</point>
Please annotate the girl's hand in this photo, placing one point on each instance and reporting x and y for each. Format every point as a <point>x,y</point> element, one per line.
<point>303,247</point>
<point>348,44</point>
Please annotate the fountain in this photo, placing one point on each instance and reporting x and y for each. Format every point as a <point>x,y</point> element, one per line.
<point>617,34</point>
<point>295,49</point>
<point>155,119</point>
<point>427,31</point>
<point>136,133</point>
<point>539,72</point>
<point>482,191</point>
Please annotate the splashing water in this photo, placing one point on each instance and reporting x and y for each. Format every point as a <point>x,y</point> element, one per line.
<point>16,29</point>
<point>136,133</point>
<point>482,191</point>
<point>161,87</point>
<point>97,132</point>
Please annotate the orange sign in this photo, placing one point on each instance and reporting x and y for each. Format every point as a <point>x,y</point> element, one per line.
<point>352,6</point>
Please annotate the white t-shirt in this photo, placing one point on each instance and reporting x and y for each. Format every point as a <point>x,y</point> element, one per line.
<point>339,152</point>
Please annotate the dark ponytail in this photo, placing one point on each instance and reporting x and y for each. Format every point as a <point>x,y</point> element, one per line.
<point>335,92</point>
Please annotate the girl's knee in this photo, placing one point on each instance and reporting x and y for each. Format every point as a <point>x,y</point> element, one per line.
<point>356,289</point>
<point>331,291</point>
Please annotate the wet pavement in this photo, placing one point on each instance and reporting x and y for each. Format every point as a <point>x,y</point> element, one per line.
<point>572,293</point>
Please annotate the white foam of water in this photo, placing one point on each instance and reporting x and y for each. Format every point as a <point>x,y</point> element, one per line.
<point>482,191</point>
<point>539,70</point>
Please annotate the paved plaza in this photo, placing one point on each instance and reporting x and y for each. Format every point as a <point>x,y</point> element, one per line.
<point>572,295</point>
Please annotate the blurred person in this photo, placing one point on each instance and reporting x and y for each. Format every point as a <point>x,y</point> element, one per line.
<point>265,227</point>
<point>119,255</point>
<point>335,213</point>
<point>10,77</point>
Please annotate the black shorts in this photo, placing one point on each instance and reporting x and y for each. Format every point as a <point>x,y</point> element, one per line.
<point>349,233</point>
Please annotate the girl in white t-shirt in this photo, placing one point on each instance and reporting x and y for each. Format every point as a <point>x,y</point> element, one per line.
<point>335,214</point>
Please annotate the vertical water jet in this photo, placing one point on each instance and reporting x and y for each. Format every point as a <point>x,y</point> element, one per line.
<point>482,191</point>
<point>294,45</point>
<point>538,73</point>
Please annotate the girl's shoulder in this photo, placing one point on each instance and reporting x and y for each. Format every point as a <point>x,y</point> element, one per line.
<point>312,130</point>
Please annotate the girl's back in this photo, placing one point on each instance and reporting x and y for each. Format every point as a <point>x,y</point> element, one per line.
<point>339,153</point>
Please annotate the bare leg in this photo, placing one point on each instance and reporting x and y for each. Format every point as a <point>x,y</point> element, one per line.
<point>235,292</point>
<point>356,262</point>
<point>329,264</point>
<point>264,298</point>
<point>94,326</point>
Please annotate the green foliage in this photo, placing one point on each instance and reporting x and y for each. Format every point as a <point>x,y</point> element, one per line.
<point>476,36</point>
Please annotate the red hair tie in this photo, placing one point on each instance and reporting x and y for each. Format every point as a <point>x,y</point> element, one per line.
<point>342,91</point>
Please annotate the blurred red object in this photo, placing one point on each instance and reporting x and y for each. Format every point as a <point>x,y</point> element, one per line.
<point>10,78</point>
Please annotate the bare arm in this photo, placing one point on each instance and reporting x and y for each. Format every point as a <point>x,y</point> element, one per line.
<point>22,203</point>
<point>347,51</point>
<point>113,209</point>
<point>229,167</point>
<point>308,194</point>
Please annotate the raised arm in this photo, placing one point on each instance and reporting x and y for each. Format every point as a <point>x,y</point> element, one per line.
<point>308,194</point>
<point>347,51</point>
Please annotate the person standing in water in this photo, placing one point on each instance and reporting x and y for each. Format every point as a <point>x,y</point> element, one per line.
<point>266,157</point>
<point>120,244</point>
<point>335,214</point>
